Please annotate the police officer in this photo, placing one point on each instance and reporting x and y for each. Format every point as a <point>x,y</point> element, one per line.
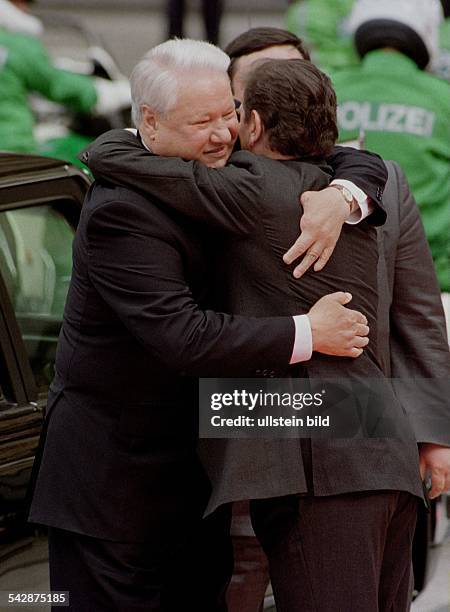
<point>403,110</point>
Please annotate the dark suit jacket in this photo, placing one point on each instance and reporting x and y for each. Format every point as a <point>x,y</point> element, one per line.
<point>411,329</point>
<point>119,458</point>
<point>255,201</point>
<point>119,156</point>
<point>412,348</point>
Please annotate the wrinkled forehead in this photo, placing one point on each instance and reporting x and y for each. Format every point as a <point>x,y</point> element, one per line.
<point>280,52</point>
<point>202,92</point>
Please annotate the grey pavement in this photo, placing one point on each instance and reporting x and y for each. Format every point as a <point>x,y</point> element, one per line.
<point>232,5</point>
<point>25,570</point>
<point>128,37</point>
<point>436,596</point>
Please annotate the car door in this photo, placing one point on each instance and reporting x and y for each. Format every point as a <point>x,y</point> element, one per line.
<point>39,211</point>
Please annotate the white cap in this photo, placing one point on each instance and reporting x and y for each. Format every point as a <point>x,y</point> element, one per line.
<point>15,20</point>
<point>422,16</point>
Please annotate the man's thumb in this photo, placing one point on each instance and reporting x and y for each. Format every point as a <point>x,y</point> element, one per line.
<point>304,197</point>
<point>343,297</point>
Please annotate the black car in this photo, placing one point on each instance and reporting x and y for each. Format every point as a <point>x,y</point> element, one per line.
<point>40,203</point>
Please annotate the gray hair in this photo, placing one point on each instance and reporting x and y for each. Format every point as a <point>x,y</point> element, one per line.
<point>154,80</point>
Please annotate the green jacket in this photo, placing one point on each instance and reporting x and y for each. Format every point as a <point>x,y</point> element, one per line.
<point>405,115</point>
<point>25,68</point>
<point>442,66</point>
<point>321,24</point>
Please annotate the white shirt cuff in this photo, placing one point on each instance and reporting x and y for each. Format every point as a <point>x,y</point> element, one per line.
<point>303,339</point>
<point>365,204</point>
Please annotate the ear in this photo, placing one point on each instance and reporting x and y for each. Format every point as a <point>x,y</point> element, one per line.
<point>256,128</point>
<point>149,123</point>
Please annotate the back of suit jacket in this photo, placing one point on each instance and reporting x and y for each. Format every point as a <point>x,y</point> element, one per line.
<point>412,344</point>
<point>255,281</point>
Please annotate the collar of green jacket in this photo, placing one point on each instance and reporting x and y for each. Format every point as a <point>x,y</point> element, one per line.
<point>389,61</point>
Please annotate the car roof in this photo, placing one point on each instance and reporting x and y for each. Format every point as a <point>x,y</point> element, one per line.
<point>13,164</point>
<point>20,171</point>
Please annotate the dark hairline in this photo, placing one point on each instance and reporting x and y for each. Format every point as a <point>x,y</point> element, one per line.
<point>258,39</point>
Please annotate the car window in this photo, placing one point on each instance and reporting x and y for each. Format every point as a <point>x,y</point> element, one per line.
<point>36,263</point>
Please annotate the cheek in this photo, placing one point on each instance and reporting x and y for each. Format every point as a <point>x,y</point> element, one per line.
<point>199,138</point>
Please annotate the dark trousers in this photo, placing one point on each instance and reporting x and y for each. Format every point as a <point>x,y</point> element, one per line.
<point>343,553</point>
<point>251,570</point>
<point>212,12</point>
<point>168,574</point>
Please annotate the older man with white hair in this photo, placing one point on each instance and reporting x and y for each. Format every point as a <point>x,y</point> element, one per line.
<point>118,481</point>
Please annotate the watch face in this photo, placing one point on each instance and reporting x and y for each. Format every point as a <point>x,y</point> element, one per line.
<point>347,195</point>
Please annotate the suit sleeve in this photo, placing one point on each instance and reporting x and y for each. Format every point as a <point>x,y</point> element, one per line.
<point>225,198</point>
<point>367,171</point>
<point>420,358</point>
<point>138,269</point>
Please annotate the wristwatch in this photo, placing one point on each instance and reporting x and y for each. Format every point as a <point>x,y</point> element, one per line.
<point>347,195</point>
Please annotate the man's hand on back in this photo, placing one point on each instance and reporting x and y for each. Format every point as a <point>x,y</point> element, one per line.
<point>337,330</point>
<point>324,213</point>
